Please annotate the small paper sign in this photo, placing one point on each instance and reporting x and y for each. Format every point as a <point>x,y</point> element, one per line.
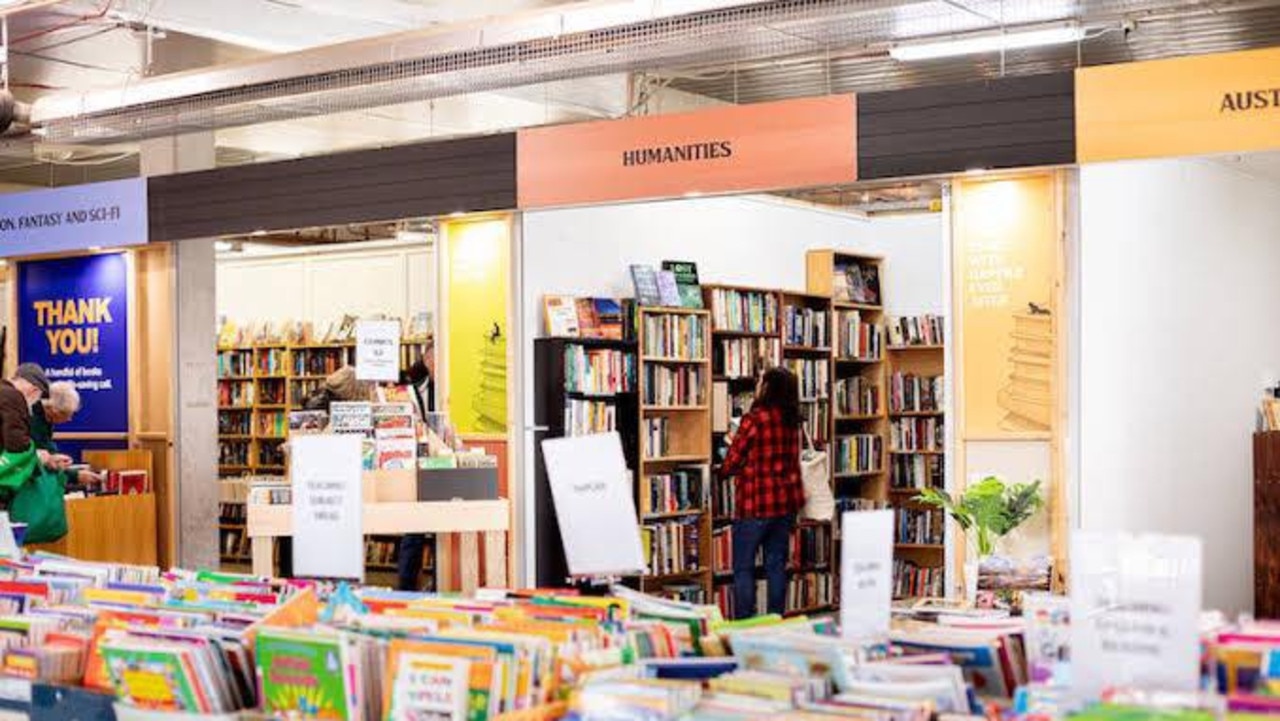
<point>591,488</point>
<point>378,350</point>
<point>866,573</point>
<point>328,528</point>
<point>1135,609</point>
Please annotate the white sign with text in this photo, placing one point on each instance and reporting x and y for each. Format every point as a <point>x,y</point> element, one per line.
<point>1135,611</point>
<point>866,573</point>
<point>591,488</point>
<point>328,530</point>
<point>378,350</point>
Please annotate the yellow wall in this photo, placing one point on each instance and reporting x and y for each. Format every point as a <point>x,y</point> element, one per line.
<point>478,276</point>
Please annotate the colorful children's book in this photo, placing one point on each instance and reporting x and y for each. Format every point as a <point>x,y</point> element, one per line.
<point>156,678</point>
<point>302,673</point>
<point>427,686</point>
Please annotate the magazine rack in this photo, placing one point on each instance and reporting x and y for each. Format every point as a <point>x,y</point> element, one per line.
<point>481,526</point>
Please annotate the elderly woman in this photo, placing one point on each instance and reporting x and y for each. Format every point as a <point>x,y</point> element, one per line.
<point>59,407</point>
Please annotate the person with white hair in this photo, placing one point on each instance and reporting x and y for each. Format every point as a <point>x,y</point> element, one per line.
<point>60,406</point>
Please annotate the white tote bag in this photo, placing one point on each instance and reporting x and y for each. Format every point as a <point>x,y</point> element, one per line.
<point>819,503</point>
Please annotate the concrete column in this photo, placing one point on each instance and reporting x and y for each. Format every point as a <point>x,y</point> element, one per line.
<point>194,433</point>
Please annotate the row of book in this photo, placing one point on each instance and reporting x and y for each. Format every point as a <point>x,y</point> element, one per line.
<point>585,417</point>
<point>674,286</point>
<point>321,361</point>
<point>671,546</point>
<point>233,452</point>
<point>805,327</point>
<point>723,501</point>
<point>385,551</point>
<point>271,453</point>
<point>570,317</point>
<point>918,526</point>
<point>679,336</point>
<point>858,339</point>
<point>681,490</point>
<point>232,334</point>
<point>236,394</point>
<point>728,403</point>
<point>808,547</point>
<point>745,357</point>
<point>813,375</point>
<point>598,371</point>
<point>911,393</point>
<point>682,385</point>
<point>657,437</point>
<point>922,330</point>
<point>917,434</point>
<point>857,396</point>
<point>692,593</point>
<point>271,391</point>
<point>858,453</point>
<point>816,417</point>
<point>235,363</point>
<point>916,472</point>
<point>300,389</point>
<point>856,503</point>
<point>911,580</point>
<point>270,362</point>
<point>235,424</point>
<point>234,545</point>
<point>857,281</point>
<point>271,424</point>
<point>744,311</point>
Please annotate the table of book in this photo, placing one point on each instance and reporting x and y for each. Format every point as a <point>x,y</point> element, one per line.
<point>481,528</point>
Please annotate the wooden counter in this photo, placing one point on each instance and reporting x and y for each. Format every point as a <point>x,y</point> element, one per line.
<point>119,529</point>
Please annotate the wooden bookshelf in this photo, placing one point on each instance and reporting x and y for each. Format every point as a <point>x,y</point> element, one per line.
<point>686,443</point>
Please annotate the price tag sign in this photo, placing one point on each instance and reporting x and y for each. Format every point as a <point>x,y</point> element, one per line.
<point>1135,610</point>
<point>591,488</point>
<point>866,573</point>
<point>378,350</point>
<point>328,528</point>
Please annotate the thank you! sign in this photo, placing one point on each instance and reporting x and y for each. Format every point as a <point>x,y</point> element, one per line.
<point>1197,105</point>
<point>73,318</point>
<point>76,217</point>
<point>740,148</point>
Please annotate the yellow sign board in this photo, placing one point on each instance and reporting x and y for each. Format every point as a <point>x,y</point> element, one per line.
<point>1199,105</point>
<point>479,282</point>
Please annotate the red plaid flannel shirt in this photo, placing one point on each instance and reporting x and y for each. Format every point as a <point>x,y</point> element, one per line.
<point>764,460</point>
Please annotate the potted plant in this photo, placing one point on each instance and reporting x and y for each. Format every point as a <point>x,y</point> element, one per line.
<point>988,511</point>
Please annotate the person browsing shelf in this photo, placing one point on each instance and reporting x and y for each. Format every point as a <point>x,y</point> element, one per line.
<point>17,423</point>
<point>61,405</point>
<point>764,461</point>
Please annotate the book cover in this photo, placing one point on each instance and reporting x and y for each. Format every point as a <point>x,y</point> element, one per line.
<point>668,292</point>
<point>157,679</point>
<point>609,317</point>
<point>483,675</point>
<point>351,417</point>
<point>561,316</point>
<point>427,686</point>
<point>397,454</point>
<point>588,323</point>
<point>301,674</point>
<point>645,280</point>
<point>686,274</point>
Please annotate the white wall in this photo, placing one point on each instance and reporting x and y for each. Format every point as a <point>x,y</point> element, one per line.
<point>749,240</point>
<point>1179,306</point>
<point>323,286</point>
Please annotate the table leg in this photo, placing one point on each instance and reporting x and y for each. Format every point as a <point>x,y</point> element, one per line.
<point>263,549</point>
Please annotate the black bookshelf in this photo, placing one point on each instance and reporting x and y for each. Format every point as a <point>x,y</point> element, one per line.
<point>549,396</point>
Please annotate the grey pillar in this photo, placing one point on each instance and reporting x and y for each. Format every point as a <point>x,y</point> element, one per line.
<point>195,338</point>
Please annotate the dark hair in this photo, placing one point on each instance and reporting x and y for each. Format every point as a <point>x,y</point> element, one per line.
<point>779,389</point>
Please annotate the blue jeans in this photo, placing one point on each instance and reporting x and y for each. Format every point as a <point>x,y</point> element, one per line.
<point>409,561</point>
<point>750,534</point>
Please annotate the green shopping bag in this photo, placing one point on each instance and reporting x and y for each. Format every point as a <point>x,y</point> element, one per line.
<point>39,503</point>
<point>16,468</point>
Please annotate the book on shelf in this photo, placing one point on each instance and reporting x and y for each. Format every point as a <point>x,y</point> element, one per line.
<point>814,376</point>
<point>677,491</point>
<point>859,339</point>
<point>686,276</point>
<point>854,503</point>
<point>683,385</point>
<point>911,580</point>
<point>745,357</point>
<point>857,281</point>
<point>744,311</point>
<point>857,396</point>
<point>911,393</point>
<point>917,434</point>
<point>816,419</point>
<point>723,505</point>
<point>671,547</point>
<point>859,453</point>
<point>674,336</point>
<point>916,330</point>
<point>560,313</point>
<point>644,280</point>
<point>918,526</point>
<point>585,417</point>
<point>804,327</point>
<point>600,318</point>
<point>728,405</point>
<point>668,290</point>
<point>598,371</point>
<point>657,438</point>
<point>916,472</point>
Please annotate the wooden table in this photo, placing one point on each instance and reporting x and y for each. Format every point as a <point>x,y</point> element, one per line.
<point>482,527</point>
<point>116,529</point>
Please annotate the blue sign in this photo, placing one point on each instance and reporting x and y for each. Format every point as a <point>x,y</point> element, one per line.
<point>73,319</point>
<point>77,217</point>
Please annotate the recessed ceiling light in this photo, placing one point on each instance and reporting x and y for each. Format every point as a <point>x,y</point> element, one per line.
<point>987,43</point>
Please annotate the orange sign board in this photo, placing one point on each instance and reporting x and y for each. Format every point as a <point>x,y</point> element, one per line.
<point>739,148</point>
<point>1195,105</point>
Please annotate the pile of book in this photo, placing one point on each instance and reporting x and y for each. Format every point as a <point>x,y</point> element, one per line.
<point>744,311</point>
<point>924,330</point>
<point>389,431</point>
<point>857,338</point>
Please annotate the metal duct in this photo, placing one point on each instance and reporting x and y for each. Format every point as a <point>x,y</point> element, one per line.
<point>503,53</point>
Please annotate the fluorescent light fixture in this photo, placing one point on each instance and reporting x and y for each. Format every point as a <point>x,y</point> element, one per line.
<point>412,236</point>
<point>258,233</point>
<point>988,43</point>
<point>222,246</point>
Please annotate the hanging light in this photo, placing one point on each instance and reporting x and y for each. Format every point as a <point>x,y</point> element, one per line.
<point>987,43</point>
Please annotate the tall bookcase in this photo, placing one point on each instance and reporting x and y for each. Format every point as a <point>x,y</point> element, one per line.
<point>572,379</point>
<point>674,430</point>
<point>872,410</point>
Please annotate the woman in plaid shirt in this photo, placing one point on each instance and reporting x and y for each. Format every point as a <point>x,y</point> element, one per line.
<point>764,460</point>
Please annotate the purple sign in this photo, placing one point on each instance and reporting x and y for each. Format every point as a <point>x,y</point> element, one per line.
<point>77,217</point>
